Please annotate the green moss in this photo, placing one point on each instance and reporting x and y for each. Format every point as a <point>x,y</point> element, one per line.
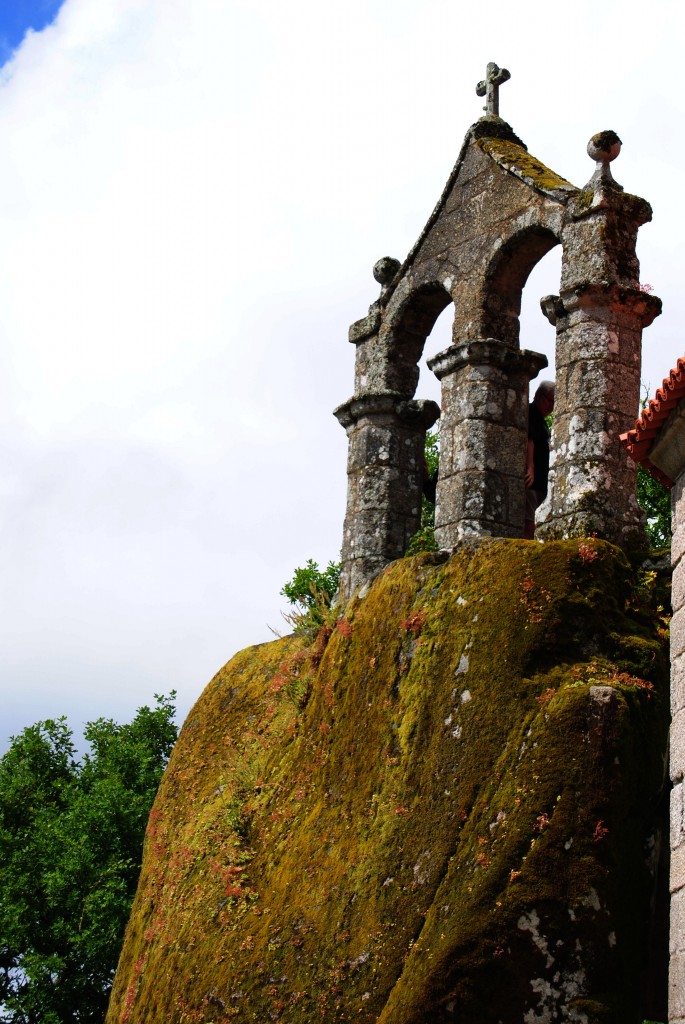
<point>369,828</point>
<point>519,162</point>
<point>583,201</point>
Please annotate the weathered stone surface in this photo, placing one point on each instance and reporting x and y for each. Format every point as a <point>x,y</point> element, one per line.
<point>678,540</point>
<point>592,480</point>
<point>677,943</point>
<point>483,439</point>
<point>677,631</point>
<point>364,328</point>
<point>676,989</point>
<point>677,679</point>
<point>678,867</point>
<point>484,499</point>
<point>433,813</point>
<point>501,211</point>
<point>678,746</point>
<point>385,269</point>
<point>670,460</point>
<point>489,88</point>
<point>677,816</point>
<point>385,457</point>
<point>678,590</point>
<point>603,148</point>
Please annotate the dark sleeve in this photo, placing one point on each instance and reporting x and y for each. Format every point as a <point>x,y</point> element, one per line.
<point>429,486</point>
<point>537,428</point>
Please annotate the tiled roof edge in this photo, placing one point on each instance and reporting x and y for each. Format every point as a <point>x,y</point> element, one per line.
<point>639,441</point>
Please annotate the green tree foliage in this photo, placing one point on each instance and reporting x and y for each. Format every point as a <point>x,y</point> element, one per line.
<point>311,591</point>
<point>655,501</point>
<point>653,498</point>
<point>431,451</point>
<point>71,839</point>
<point>309,581</point>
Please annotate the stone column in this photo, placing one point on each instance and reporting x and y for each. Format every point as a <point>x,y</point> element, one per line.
<point>386,435</point>
<point>599,317</point>
<point>676,990</point>
<point>483,438</point>
<point>598,361</point>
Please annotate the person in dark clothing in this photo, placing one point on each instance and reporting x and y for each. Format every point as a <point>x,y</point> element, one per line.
<point>537,456</point>
<point>429,482</point>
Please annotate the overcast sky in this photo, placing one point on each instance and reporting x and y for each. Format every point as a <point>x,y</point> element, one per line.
<point>192,196</point>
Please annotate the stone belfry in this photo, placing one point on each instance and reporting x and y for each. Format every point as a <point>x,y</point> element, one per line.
<point>500,212</point>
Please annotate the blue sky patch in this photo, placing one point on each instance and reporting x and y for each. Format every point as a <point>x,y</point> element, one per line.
<point>18,16</point>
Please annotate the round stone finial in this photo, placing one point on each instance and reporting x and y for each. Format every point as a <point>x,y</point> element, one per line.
<point>604,147</point>
<point>385,269</point>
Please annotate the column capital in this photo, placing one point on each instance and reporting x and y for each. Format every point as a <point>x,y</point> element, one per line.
<point>421,414</point>
<point>487,352</point>
<point>601,295</point>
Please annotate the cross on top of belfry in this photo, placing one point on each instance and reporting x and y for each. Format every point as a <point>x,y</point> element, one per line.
<point>489,88</point>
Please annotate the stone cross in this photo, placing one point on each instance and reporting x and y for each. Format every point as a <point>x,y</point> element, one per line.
<point>489,88</point>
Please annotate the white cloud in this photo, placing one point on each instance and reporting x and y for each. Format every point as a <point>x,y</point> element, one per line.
<point>192,196</point>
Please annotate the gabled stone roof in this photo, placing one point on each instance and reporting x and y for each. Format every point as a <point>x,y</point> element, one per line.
<point>640,440</point>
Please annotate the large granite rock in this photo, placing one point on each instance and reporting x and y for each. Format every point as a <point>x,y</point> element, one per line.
<point>448,808</point>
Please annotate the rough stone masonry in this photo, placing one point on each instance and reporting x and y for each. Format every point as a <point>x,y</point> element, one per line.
<point>501,211</point>
<point>657,441</point>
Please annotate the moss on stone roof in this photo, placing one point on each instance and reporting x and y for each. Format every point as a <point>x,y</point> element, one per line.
<point>518,161</point>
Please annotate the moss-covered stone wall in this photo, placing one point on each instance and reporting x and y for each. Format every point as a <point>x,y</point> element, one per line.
<point>447,808</point>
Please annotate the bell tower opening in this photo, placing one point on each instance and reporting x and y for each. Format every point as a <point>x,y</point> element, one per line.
<point>535,331</point>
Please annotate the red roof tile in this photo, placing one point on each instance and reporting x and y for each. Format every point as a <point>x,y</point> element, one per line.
<point>640,439</point>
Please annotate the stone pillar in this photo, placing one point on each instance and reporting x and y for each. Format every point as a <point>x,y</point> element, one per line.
<point>599,317</point>
<point>676,989</point>
<point>483,438</point>
<point>598,361</point>
<point>386,435</point>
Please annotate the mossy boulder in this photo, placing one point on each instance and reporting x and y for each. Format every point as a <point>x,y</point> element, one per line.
<point>445,808</point>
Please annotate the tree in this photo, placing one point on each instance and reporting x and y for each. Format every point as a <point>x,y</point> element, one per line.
<point>71,840</point>
<point>311,592</point>
<point>653,498</point>
<point>655,501</point>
